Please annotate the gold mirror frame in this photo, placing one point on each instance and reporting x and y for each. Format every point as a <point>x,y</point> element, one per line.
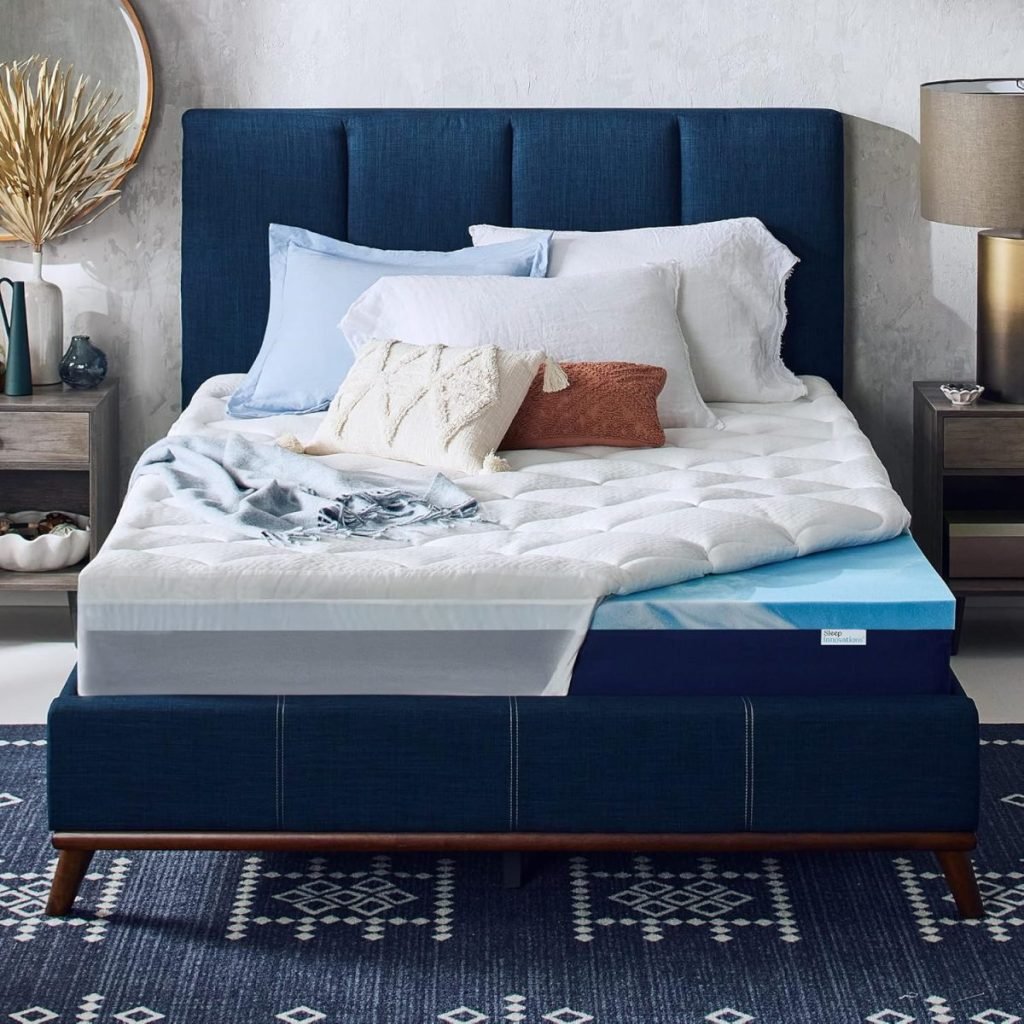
<point>147,63</point>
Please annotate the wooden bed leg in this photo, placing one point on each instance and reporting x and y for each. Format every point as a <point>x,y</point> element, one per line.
<point>959,872</point>
<point>71,868</point>
<point>511,869</point>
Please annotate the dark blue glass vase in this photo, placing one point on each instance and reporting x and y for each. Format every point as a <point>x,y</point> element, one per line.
<point>83,365</point>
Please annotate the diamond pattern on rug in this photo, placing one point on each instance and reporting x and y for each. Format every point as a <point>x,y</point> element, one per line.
<point>718,901</point>
<point>373,899</point>
<point>300,1015</point>
<point>139,1015</point>
<point>514,1009</point>
<point>34,1015</point>
<point>89,1009</point>
<point>23,902</point>
<point>938,1011</point>
<point>934,909</point>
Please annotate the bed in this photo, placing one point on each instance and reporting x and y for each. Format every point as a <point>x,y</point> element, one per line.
<point>807,704</point>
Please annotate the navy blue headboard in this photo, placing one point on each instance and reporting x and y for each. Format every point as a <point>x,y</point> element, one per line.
<point>416,179</point>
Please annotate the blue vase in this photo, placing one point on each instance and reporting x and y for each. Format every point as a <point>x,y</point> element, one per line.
<point>83,365</point>
<point>18,377</point>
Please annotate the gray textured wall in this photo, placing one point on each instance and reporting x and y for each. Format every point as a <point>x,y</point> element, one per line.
<point>911,292</point>
<point>93,36</point>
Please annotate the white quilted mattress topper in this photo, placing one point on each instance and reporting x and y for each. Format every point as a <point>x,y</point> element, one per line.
<point>565,528</point>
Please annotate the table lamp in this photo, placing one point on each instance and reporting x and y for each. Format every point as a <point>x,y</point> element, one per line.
<point>972,172</point>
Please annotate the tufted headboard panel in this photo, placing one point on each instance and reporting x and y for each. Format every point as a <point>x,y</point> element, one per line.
<point>416,179</point>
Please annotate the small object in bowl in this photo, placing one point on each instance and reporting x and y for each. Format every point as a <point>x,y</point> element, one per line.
<point>10,528</point>
<point>51,520</point>
<point>962,394</point>
<point>63,530</point>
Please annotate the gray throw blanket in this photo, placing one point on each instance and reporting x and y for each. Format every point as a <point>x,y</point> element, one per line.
<point>261,490</point>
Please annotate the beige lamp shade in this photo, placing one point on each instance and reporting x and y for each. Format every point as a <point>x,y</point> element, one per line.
<point>972,152</point>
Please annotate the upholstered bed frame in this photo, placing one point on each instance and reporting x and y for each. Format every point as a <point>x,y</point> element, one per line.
<point>649,773</point>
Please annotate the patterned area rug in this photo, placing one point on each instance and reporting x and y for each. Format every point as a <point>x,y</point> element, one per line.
<point>411,939</point>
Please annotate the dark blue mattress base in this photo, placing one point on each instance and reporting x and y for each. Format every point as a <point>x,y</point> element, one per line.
<point>752,662</point>
<point>479,764</point>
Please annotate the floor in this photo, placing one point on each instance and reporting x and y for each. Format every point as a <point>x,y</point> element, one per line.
<point>990,665</point>
<point>36,655</point>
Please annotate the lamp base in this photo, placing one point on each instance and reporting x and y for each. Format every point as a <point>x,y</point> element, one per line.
<point>1001,315</point>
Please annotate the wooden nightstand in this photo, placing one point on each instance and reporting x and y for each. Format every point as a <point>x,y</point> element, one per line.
<point>969,469</point>
<point>59,450</point>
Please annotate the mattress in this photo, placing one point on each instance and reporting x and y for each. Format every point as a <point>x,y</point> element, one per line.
<point>174,606</point>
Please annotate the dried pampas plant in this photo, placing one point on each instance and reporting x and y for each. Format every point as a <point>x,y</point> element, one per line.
<point>58,149</point>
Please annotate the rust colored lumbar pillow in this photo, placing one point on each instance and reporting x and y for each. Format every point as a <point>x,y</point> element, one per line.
<point>613,404</point>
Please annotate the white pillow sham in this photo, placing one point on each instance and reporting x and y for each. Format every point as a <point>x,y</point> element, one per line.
<point>428,404</point>
<point>732,299</point>
<point>623,315</point>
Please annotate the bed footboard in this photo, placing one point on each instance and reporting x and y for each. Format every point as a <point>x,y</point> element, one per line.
<point>348,773</point>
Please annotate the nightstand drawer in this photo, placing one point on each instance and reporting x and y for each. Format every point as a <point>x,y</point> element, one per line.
<point>984,442</point>
<point>41,438</point>
<point>986,545</point>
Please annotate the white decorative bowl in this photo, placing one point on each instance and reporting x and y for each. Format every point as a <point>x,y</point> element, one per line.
<point>961,395</point>
<point>45,552</point>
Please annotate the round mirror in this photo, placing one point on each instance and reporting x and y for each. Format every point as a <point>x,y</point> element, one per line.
<point>104,41</point>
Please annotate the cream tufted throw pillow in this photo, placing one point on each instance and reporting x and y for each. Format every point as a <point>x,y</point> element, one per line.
<point>435,405</point>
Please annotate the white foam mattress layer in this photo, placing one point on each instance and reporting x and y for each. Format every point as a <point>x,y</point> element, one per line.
<point>175,605</point>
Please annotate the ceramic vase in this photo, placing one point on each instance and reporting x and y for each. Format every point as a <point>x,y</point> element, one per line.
<point>83,365</point>
<point>18,372</point>
<point>44,304</point>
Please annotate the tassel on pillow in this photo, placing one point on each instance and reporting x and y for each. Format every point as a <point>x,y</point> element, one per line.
<point>554,377</point>
<point>290,443</point>
<point>494,463</point>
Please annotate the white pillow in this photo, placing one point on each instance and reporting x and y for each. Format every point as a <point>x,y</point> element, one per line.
<point>625,315</point>
<point>433,405</point>
<point>732,302</point>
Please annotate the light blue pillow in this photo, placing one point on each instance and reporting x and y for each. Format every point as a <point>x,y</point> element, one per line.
<point>313,281</point>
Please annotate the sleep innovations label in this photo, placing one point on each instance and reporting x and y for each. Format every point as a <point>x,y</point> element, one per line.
<point>844,637</point>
